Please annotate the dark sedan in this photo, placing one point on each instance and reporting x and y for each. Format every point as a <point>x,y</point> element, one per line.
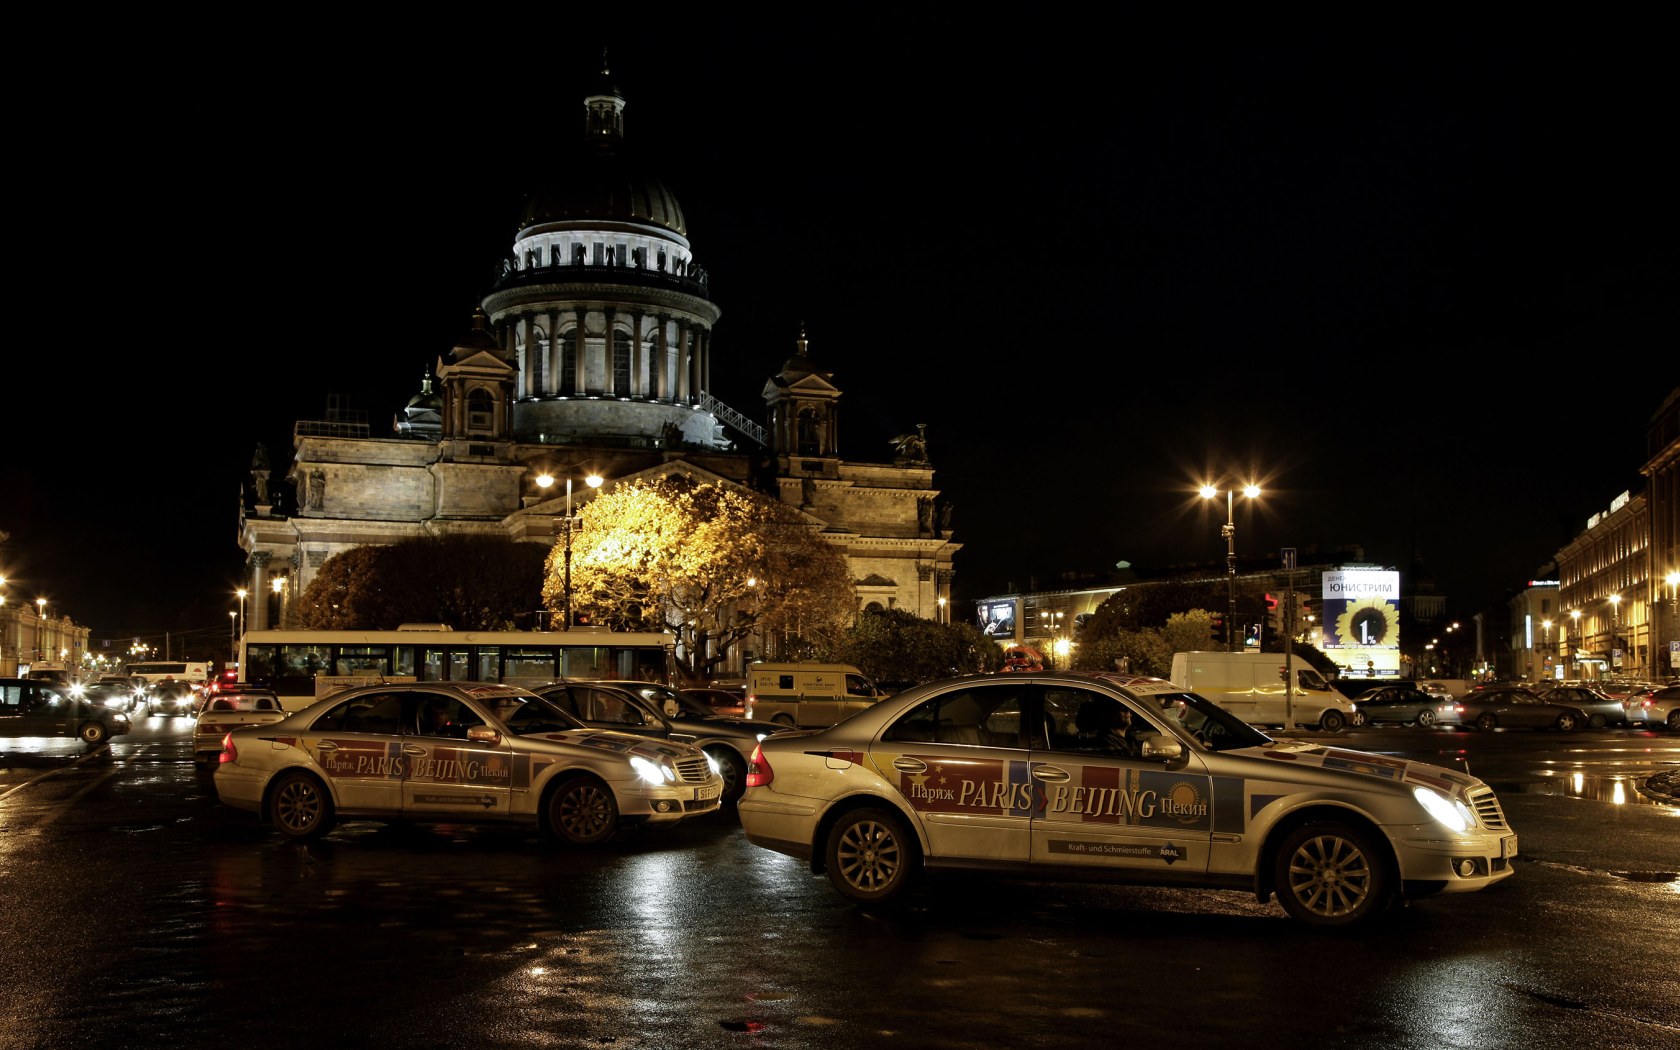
<point>1602,710</point>
<point>650,709</point>
<point>1515,707</point>
<point>1405,705</point>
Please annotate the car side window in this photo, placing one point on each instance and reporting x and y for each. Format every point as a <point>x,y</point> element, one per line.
<point>1099,724</point>
<point>368,713</point>
<point>988,716</point>
<point>9,695</point>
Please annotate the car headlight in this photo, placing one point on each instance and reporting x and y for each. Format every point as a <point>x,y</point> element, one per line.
<point>1450,812</point>
<point>712,764</point>
<point>651,771</point>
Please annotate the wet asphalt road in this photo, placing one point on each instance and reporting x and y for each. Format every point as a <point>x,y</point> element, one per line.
<point>137,911</point>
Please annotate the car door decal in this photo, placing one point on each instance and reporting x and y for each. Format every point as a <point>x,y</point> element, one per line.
<point>960,785</point>
<point>1111,794</point>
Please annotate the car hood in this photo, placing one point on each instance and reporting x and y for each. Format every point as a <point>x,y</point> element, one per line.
<point>617,742</point>
<point>703,726</point>
<point>1340,764</point>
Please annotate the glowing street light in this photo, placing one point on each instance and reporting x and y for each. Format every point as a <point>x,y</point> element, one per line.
<point>593,481</point>
<point>1229,531</point>
<point>40,621</point>
<point>241,592</point>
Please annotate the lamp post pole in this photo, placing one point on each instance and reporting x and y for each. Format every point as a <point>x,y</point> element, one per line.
<point>40,623</point>
<point>1229,531</point>
<point>1546,665</point>
<point>1673,581</point>
<point>1615,628</point>
<point>594,482</point>
<point>241,592</point>
<point>233,636</point>
<point>1574,668</point>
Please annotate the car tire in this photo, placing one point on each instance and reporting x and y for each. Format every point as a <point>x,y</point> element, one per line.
<point>872,857</point>
<point>1597,721</point>
<point>733,768</point>
<point>1426,718</point>
<point>1332,722</point>
<point>299,806</point>
<point>1486,722</point>
<point>582,811</point>
<point>784,720</point>
<point>1565,723</point>
<point>91,733</point>
<point>1331,874</point>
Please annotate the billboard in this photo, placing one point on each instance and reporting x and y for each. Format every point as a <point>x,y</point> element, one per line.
<point>1361,621</point>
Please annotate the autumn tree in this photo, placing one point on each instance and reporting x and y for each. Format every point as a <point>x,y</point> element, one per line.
<point>713,563</point>
<point>471,582</point>
<point>893,646</point>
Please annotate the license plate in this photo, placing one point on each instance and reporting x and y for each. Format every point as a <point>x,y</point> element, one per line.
<point>707,792</point>
<point>1508,846</point>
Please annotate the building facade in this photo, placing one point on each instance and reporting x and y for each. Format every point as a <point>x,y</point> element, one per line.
<point>593,353</point>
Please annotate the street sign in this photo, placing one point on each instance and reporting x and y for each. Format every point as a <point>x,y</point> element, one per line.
<point>1289,558</point>
<point>1615,658</point>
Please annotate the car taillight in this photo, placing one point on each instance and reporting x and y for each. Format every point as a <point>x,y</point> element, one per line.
<point>759,773</point>
<point>229,752</point>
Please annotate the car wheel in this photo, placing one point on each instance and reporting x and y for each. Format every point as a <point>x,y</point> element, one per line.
<point>1565,723</point>
<point>1330,874</point>
<point>1332,722</point>
<point>1597,721</point>
<point>872,857</point>
<point>783,720</point>
<point>1487,722</point>
<point>91,733</point>
<point>1674,720</point>
<point>582,812</point>
<point>299,808</point>
<point>1426,718</point>
<point>733,770</point>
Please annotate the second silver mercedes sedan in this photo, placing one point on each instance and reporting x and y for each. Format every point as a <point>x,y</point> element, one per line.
<point>459,752</point>
<point>1091,775</point>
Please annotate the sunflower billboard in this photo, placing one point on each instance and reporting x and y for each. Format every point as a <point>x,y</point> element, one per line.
<point>1362,621</point>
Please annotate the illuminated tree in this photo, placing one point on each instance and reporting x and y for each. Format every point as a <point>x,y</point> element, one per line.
<point>710,562</point>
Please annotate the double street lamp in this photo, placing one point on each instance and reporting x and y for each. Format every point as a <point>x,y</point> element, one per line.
<point>1229,531</point>
<point>544,480</point>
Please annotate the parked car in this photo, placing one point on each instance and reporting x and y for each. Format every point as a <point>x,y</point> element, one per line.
<point>1517,707</point>
<point>1659,708</point>
<point>460,752</point>
<point>35,707</point>
<point>1602,710</point>
<point>235,709</point>
<point>725,703</point>
<point>117,694</point>
<point>171,697</point>
<point>652,709</point>
<point>1008,773</point>
<point>1405,705</point>
<point>1436,689</point>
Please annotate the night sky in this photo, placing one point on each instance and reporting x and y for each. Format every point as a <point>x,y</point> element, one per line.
<point>1420,285</point>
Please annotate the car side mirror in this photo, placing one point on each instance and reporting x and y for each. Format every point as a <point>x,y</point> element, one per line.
<point>484,735</point>
<point>1158,748</point>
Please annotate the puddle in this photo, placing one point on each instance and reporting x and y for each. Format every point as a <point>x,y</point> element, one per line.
<point>1617,789</point>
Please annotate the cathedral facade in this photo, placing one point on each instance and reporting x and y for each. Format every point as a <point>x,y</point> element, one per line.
<point>592,353</point>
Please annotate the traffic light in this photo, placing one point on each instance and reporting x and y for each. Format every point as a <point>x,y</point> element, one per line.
<point>1274,613</point>
<point>1216,621</point>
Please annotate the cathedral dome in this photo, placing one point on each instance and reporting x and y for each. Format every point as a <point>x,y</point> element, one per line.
<point>604,182</point>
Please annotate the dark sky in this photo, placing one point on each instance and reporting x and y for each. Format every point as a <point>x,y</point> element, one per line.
<point>1420,284</point>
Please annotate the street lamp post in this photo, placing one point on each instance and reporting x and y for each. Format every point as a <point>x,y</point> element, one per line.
<point>40,622</point>
<point>1615,628</point>
<point>1547,665</point>
<point>1575,619</point>
<point>941,600</point>
<point>594,482</point>
<point>233,636</point>
<point>278,585</point>
<point>241,592</point>
<point>1673,581</point>
<point>1229,531</point>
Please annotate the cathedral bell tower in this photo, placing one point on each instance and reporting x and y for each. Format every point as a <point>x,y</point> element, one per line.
<point>803,404</point>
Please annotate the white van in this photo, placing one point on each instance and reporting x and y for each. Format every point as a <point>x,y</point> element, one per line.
<point>807,695</point>
<point>1252,687</point>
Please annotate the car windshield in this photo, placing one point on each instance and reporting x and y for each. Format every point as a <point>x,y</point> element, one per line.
<point>673,704</point>
<point>1211,725</point>
<point>525,713</point>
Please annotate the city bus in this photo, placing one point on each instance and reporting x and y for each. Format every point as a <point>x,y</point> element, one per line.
<point>302,666</point>
<point>196,672</point>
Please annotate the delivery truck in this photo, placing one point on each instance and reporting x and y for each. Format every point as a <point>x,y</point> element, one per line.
<point>1253,686</point>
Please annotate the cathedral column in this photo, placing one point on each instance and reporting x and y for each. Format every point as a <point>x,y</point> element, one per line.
<point>609,353</point>
<point>577,353</point>
<point>551,383</point>
<point>684,334</point>
<point>638,388</point>
<point>662,361</point>
<point>259,591</point>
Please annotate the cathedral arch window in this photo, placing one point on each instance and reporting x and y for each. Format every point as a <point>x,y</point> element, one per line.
<point>481,410</point>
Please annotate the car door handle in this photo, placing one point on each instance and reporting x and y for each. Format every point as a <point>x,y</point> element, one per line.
<point>907,764</point>
<point>326,745</point>
<point>1052,774</point>
<point>415,749</point>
